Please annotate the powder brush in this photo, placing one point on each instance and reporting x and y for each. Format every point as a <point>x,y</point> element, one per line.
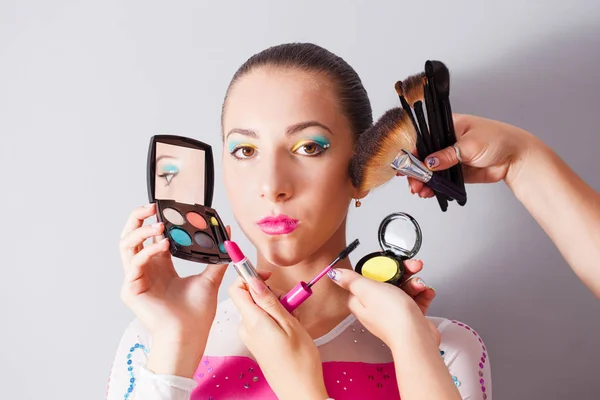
<point>386,149</point>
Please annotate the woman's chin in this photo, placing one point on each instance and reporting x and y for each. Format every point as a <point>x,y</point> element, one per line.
<point>283,250</point>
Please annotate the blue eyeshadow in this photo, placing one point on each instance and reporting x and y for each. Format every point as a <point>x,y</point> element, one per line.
<point>181,237</point>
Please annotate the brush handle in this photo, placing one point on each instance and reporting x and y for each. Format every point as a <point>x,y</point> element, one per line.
<point>441,184</point>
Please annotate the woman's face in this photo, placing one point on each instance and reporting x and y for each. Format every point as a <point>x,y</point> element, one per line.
<point>285,161</point>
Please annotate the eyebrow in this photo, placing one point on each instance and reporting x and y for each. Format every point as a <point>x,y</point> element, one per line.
<point>163,156</point>
<point>291,130</point>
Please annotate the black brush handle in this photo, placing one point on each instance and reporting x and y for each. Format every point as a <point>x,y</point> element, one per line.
<point>423,124</point>
<point>422,149</point>
<point>441,184</point>
<point>435,137</point>
<point>456,172</point>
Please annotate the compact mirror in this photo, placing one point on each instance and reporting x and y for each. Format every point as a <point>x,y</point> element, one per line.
<point>401,234</point>
<point>180,178</point>
<point>400,238</point>
<point>180,174</point>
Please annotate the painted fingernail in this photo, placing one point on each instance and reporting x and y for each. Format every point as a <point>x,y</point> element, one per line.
<point>333,275</point>
<point>421,282</point>
<point>432,162</point>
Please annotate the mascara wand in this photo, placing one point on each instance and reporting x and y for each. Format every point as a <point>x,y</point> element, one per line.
<point>303,291</point>
<point>339,258</point>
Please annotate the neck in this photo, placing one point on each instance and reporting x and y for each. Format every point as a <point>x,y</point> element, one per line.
<point>328,305</point>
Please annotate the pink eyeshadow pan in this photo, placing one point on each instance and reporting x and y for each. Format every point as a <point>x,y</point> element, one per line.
<point>197,220</point>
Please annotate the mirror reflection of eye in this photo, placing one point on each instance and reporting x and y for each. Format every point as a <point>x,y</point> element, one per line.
<point>309,148</point>
<point>168,172</point>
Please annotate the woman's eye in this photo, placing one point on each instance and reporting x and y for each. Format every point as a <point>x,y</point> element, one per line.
<point>242,152</point>
<point>168,172</point>
<point>309,148</point>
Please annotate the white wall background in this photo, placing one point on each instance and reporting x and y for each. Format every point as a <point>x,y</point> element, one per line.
<point>83,85</point>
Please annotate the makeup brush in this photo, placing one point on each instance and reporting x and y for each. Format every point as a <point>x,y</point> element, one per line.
<point>302,291</point>
<point>385,149</point>
<point>413,86</point>
<point>439,75</point>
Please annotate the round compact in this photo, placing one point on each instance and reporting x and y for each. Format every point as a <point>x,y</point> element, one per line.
<point>400,239</point>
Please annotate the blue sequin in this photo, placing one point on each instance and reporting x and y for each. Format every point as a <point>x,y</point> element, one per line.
<point>130,368</point>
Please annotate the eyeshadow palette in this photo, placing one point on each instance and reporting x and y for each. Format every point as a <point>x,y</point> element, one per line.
<point>180,178</point>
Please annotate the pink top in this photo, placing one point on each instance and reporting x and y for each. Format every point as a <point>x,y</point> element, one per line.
<point>356,364</point>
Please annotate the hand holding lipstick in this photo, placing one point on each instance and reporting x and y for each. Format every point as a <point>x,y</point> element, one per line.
<point>284,350</point>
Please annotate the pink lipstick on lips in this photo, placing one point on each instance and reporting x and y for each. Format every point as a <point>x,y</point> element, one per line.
<point>279,225</point>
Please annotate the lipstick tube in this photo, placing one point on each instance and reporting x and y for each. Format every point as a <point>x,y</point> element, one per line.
<point>241,263</point>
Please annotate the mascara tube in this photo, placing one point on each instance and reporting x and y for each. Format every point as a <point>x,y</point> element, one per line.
<point>241,263</point>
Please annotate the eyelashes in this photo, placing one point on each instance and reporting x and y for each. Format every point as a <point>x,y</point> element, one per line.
<point>311,147</point>
<point>168,173</point>
<point>308,147</point>
<point>242,151</point>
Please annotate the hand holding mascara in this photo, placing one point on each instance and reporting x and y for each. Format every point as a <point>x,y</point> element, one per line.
<point>302,291</point>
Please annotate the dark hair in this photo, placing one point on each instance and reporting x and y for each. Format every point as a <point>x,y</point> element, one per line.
<point>311,57</point>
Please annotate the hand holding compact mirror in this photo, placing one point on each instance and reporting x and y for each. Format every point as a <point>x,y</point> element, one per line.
<point>180,180</point>
<point>400,239</point>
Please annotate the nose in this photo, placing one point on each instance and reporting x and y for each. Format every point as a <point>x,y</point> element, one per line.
<point>276,180</point>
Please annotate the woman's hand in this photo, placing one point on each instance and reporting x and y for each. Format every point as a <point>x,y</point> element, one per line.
<point>178,312</point>
<point>390,314</point>
<point>285,352</point>
<point>490,151</point>
<point>384,309</point>
<point>416,287</point>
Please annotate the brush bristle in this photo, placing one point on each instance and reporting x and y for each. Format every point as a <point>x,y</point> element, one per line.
<point>377,147</point>
<point>413,88</point>
<point>398,87</point>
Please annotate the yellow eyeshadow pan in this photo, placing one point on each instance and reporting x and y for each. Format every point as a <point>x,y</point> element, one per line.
<point>380,268</point>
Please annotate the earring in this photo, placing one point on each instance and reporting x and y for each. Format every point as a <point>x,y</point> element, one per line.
<point>357,203</point>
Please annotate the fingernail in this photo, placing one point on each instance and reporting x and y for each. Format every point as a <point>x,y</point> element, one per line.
<point>149,205</point>
<point>432,162</point>
<point>333,275</point>
<point>163,241</point>
<point>421,282</point>
<point>258,286</point>
<point>156,225</point>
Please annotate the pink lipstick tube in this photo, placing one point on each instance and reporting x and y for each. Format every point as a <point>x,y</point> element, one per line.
<point>241,263</point>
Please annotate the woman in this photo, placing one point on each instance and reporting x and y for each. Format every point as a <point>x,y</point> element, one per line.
<point>290,118</point>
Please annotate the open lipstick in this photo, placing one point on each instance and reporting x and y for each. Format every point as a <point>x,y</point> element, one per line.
<point>241,263</point>
<point>302,291</point>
